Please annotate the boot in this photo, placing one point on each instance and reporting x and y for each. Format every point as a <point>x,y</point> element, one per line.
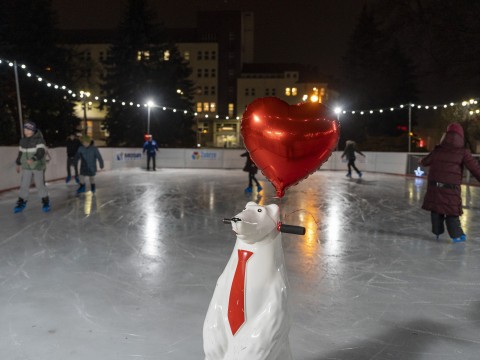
<point>46,204</point>
<point>67,180</point>
<point>248,189</point>
<point>259,188</point>
<point>21,204</point>
<point>349,174</point>
<point>77,180</point>
<point>92,188</point>
<point>81,189</point>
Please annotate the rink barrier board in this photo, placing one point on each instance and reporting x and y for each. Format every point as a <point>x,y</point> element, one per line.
<point>121,158</point>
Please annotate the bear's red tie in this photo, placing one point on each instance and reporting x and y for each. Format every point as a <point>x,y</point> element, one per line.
<point>236,302</point>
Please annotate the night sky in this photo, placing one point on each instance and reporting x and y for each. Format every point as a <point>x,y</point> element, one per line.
<point>311,32</point>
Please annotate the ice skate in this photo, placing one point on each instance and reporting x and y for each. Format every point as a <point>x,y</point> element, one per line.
<point>46,204</point>
<point>21,204</point>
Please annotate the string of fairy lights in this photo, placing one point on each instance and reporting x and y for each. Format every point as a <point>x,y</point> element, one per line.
<point>84,96</point>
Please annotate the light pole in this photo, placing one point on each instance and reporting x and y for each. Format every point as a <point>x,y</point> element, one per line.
<point>337,111</point>
<point>84,95</point>
<point>150,104</point>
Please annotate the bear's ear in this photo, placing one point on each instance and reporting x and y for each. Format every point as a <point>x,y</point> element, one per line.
<point>273,210</point>
<point>251,203</point>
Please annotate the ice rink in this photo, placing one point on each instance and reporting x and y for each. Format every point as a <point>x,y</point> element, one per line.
<point>128,273</point>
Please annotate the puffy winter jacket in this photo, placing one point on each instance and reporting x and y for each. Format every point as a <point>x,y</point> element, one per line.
<point>88,156</point>
<point>32,148</point>
<point>446,163</point>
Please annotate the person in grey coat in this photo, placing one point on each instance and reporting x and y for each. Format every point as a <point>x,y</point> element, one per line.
<point>88,155</point>
<point>31,160</point>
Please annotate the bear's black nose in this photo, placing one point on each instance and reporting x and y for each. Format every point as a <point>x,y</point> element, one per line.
<point>234,219</point>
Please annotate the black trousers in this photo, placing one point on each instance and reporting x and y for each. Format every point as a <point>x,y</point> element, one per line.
<point>351,163</point>
<point>152,157</point>
<point>251,178</point>
<point>453,224</point>
<point>71,162</point>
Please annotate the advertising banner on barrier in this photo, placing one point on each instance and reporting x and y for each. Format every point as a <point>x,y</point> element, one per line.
<point>127,158</point>
<point>204,158</point>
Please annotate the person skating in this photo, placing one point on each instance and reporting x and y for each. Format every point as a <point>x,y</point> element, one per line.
<point>443,197</point>
<point>349,153</point>
<point>151,148</point>
<point>72,145</point>
<point>31,160</point>
<point>252,170</point>
<point>88,155</point>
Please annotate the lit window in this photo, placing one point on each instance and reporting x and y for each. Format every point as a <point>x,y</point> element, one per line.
<point>231,107</point>
<point>186,55</point>
<point>213,107</point>
<point>199,107</point>
<point>288,91</point>
<point>205,106</point>
<point>166,55</point>
<point>294,91</point>
<point>143,55</point>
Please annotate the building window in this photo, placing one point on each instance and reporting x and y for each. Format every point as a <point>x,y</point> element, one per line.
<point>214,55</point>
<point>205,106</point>
<point>231,107</point>
<point>231,36</point>
<point>252,90</point>
<point>212,90</point>
<point>205,90</point>
<point>213,107</point>
<point>294,91</point>
<point>166,55</point>
<point>89,55</point>
<point>267,92</point>
<point>199,55</point>
<point>186,55</point>
<point>247,92</point>
<point>199,107</point>
<point>288,92</point>
<point>214,73</point>
<point>199,72</point>
<point>273,92</point>
<point>205,55</point>
<point>143,55</point>
<point>205,72</point>
<point>102,56</point>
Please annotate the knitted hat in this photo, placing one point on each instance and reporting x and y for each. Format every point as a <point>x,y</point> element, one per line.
<point>30,125</point>
<point>456,128</point>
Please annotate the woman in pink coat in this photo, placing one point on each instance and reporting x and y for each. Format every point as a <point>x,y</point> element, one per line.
<point>443,198</point>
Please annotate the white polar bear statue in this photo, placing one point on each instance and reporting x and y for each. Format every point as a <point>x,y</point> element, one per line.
<point>247,318</point>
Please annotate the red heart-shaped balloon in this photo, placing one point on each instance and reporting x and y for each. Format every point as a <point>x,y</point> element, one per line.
<point>288,142</point>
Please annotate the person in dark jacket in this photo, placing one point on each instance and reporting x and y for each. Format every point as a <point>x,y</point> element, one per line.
<point>151,148</point>
<point>349,153</point>
<point>31,160</point>
<point>88,155</point>
<point>443,197</point>
<point>252,170</point>
<point>72,144</point>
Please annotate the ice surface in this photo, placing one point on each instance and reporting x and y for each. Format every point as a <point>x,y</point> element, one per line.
<point>128,273</point>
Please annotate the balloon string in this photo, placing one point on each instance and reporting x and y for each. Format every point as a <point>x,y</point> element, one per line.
<point>308,212</point>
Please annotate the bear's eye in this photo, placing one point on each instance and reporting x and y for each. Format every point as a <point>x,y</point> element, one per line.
<point>259,210</point>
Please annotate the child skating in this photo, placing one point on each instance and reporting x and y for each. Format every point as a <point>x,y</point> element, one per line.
<point>443,197</point>
<point>88,155</point>
<point>31,160</point>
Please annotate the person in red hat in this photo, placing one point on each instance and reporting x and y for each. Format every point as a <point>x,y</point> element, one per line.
<point>443,197</point>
